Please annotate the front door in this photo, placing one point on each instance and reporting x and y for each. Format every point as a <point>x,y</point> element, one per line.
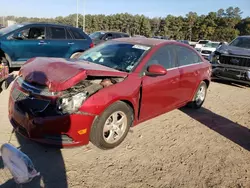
<point>27,46</point>
<point>160,94</point>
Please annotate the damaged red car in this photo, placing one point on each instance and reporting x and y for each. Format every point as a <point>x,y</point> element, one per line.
<point>107,90</point>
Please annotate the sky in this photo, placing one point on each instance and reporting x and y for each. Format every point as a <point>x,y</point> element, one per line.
<point>150,8</point>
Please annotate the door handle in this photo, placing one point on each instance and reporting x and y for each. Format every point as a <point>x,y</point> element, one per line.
<point>71,43</point>
<point>42,43</point>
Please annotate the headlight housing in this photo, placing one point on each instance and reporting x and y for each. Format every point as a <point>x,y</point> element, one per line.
<point>71,104</point>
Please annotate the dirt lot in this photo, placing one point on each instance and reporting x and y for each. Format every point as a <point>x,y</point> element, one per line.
<point>184,148</point>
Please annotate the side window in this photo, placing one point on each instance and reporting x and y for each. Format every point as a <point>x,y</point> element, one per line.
<point>163,56</point>
<point>57,33</point>
<point>33,33</point>
<point>77,34</point>
<point>117,35</point>
<point>186,56</point>
<point>109,36</point>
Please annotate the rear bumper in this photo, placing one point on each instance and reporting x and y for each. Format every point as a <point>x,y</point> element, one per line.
<point>230,73</point>
<point>62,130</point>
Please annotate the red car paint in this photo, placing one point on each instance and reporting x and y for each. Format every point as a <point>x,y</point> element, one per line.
<point>59,74</point>
<point>148,96</point>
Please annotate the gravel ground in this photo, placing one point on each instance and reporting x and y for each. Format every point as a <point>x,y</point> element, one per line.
<point>184,148</point>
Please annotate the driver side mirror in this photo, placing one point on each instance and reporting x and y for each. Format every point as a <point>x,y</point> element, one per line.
<point>155,70</point>
<point>18,36</point>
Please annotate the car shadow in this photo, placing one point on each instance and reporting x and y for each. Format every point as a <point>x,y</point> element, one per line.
<point>46,159</point>
<point>1,163</point>
<point>233,131</point>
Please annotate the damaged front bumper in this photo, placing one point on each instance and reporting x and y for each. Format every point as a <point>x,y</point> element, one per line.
<point>231,73</point>
<point>61,130</point>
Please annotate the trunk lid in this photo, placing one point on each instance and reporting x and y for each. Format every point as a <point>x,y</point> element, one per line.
<point>59,74</point>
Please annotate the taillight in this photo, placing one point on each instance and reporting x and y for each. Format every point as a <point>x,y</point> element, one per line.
<point>91,45</point>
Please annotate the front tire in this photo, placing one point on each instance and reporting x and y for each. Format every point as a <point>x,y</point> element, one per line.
<point>75,55</point>
<point>199,97</point>
<point>111,128</point>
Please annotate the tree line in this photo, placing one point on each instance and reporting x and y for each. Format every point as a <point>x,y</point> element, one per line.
<point>223,25</point>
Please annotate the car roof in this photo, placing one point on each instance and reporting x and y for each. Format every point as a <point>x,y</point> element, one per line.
<point>143,41</point>
<point>46,23</point>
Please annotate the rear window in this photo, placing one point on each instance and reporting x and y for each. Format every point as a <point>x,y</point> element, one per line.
<point>77,34</point>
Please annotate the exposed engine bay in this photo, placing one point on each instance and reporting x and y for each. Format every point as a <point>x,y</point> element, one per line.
<point>71,99</point>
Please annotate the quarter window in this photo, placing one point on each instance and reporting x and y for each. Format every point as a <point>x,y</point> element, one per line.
<point>58,33</point>
<point>186,56</point>
<point>163,56</point>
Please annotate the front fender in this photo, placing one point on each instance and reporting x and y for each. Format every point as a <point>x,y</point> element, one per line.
<point>127,90</point>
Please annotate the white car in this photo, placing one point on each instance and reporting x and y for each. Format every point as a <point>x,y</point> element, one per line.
<point>208,48</point>
<point>200,44</point>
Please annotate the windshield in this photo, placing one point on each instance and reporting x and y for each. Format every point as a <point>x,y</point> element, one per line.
<point>241,42</point>
<point>203,42</point>
<point>116,55</point>
<point>212,45</point>
<point>9,29</point>
<point>96,35</point>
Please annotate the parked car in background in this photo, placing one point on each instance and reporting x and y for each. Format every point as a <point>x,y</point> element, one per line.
<point>111,87</point>
<point>20,42</point>
<point>160,37</point>
<point>192,43</point>
<point>208,48</point>
<point>232,62</point>
<point>200,44</point>
<point>102,36</point>
<point>183,41</point>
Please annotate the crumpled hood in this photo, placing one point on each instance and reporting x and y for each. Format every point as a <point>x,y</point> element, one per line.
<point>232,50</point>
<point>59,74</point>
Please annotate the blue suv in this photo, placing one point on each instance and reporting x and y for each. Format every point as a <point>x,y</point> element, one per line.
<point>20,42</point>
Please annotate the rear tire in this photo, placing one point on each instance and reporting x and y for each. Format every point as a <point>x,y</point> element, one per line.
<point>75,55</point>
<point>112,126</point>
<point>199,96</point>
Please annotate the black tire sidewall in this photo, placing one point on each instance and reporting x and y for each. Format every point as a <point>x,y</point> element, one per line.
<point>96,134</point>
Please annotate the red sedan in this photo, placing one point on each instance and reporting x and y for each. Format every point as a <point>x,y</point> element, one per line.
<point>111,87</point>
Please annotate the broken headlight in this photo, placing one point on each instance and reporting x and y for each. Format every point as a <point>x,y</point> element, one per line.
<point>71,104</point>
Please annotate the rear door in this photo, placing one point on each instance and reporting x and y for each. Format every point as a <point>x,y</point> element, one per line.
<point>161,93</point>
<point>189,63</point>
<point>59,42</point>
